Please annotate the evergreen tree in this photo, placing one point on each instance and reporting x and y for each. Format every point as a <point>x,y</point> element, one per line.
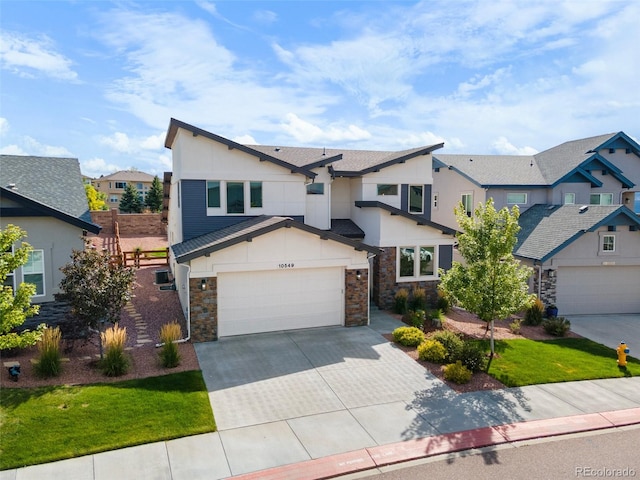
<point>131,201</point>
<point>155,195</point>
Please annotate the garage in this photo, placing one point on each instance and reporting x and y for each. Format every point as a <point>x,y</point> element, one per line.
<point>598,290</point>
<point>283,299</point>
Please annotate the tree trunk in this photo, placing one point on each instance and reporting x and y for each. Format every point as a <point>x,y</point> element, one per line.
<point>491,342</point>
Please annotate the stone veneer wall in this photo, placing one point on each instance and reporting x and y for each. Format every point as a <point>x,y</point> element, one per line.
<point>204,309</point>
<point>129,223</point>
<point>385,285</point>
<point>548,291</point>
<point>356,298</point>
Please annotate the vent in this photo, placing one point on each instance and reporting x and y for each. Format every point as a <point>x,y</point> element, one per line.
<point>633,228</point>
<point>611,228</point>
<point>583,208</point>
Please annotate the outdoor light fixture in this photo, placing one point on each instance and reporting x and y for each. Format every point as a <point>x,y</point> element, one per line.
<point>358,274</point>
<point>552,273</point>
<point>203,284</point>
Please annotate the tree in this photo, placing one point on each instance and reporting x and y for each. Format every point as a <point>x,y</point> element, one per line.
<point>155,195</point>
<point>131,201</point>
<point>95,288</point>
<point>15,307</point>
<point>97,200</point>
<point>492,283</point>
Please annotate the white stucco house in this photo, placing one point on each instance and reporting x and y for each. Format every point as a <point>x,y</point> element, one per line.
<point>267,238</point>
<point>580,207</point>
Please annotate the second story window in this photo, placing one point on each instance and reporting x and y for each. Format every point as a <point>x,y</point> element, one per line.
<point>467,203</point>
<point>256,194</point>
<point>516,198</point>
<point>569,198</point>
<point>213,194</point>
<point>235,197</point>
<point>608,243</point>
<point>121,185</point>
<point>601,199</point>
<point>315,189</point>
<point>387,189</point>
<point>416,199</point>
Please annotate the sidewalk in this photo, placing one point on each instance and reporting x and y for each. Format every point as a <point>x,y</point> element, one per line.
<point>465,421</point>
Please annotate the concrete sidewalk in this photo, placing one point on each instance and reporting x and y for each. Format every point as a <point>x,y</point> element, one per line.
<point>355,433</point>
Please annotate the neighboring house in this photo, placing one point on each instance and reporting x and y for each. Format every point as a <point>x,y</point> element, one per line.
<point>274,238</point>
<point>46,197</point>
<point>113,185</point>
<point>577,203</point>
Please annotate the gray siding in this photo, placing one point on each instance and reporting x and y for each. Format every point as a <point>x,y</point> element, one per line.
<point>445,256</point>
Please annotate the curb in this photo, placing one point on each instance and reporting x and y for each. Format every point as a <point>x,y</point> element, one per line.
<point>374,457</point>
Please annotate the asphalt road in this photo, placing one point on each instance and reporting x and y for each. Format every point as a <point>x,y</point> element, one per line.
<point>613,453</point>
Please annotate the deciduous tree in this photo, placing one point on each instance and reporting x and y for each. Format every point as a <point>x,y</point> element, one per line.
<point>97,200</point>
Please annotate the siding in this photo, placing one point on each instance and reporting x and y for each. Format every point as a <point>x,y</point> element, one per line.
<point>445,256</point>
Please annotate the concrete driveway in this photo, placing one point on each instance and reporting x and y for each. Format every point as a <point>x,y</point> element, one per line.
<point>609,330</point>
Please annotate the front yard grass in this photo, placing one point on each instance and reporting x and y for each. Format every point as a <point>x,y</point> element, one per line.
<point>522,362</point>
<point>45,424</point>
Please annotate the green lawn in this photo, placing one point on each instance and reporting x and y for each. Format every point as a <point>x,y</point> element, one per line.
<point>527,362</point>
<point>44,424</point>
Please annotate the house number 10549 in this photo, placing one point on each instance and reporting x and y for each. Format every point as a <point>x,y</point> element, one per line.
<point>285,265</point>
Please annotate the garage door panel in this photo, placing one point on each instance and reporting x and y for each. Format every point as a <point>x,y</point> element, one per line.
<point>266,301</point>
<point>598,290</point>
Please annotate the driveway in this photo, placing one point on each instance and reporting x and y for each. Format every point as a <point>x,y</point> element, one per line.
<point>609,330</point>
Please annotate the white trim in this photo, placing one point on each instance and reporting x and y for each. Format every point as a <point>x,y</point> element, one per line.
<point>42,272</point>
<point>526,197</point>
<point>416,264</point>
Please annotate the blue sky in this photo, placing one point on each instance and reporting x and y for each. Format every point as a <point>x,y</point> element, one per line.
<point>100,80</point>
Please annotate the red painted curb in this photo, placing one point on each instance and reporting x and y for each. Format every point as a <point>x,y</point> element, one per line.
<point>623,417</point>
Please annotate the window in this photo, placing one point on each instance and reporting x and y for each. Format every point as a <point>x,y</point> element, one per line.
<point>569,198</point>
<point>416,202</point>
<point>315,189</point>
<point>467,203</point>
<point>213,194</point>
<point>516,198</point>
<point>139,186</point>
<point>416,261</point>
<point>387,189</point>
<point>33,270</point>
<point>608,243</point>
<point>601,199</point>
<point>113,199</point>
<point>235,197</point>
<point>122,185</point>
<point>256,194</point>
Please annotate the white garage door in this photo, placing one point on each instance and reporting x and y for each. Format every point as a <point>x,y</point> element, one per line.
<point>266,301</point>
<point>598,290</point>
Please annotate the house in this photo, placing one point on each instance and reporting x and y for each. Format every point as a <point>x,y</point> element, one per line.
<point>113,186</point>
<point>267,238</point>
<point>44,196</point>
<point>579,227</point>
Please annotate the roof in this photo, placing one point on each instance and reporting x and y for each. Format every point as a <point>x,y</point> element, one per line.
<point>419,219</point>
<point>543,169</point>
<point>547,229</point>
<point>127,176</point>
<point>47,186</point>
<point>347,228</point>
<point>247,230</point>
<point>304,159</point>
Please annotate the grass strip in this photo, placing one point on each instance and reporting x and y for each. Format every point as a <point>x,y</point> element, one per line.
<point>46,424</point>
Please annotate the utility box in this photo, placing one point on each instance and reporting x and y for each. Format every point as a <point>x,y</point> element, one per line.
<point>162,276</point>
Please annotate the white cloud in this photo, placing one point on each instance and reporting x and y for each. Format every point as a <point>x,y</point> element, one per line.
<point>95,167</point>
<point>245,140</point>
<point>4,125</point>
<point>502,146</point>
<point>307,133</point>
<point>28,57</point>
<point>118,141</point>
<point>153,142</point>
<point>266,17</point>
<point>12,150</point>
<point>36,148</point>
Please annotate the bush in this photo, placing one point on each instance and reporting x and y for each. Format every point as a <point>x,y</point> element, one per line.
<point>415,318</point>
<point>115,361</point>
<point>451,342</point>
<point>457,373</point>
<point>432,351</point>
<point>401,301</point>
<point>49,364</point>
<point>443,302</point>
<point>436,318</point>
<point>558,326</point>
<point>418,299</point>
<point>408,336</point>
<point>534,313</point>
<point>515,326</point>
<point>169,333</point>
<point>472,356</point>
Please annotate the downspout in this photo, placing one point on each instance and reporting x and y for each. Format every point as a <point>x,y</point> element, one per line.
<point>540,281</point>
<point>188,337</point>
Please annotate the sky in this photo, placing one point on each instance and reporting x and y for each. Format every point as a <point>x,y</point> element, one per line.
<point>100,81</point>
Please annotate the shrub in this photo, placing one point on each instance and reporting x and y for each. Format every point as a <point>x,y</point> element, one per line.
<point>401,300</point>
<point>436,318</point>
<point>169,333</point>
<point>418,299</point>
<point>558,326</point>
<point>48,363</point>
<point>415,318</point>
<point>472,356</point>
<point>115,361</point>
<point>408,336</point>
<point>534,313</point>
<point>515,326</point>
<point>451,342</point>
<point>457,373</point>
<point>443,302</point>
<point>432,351</point>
